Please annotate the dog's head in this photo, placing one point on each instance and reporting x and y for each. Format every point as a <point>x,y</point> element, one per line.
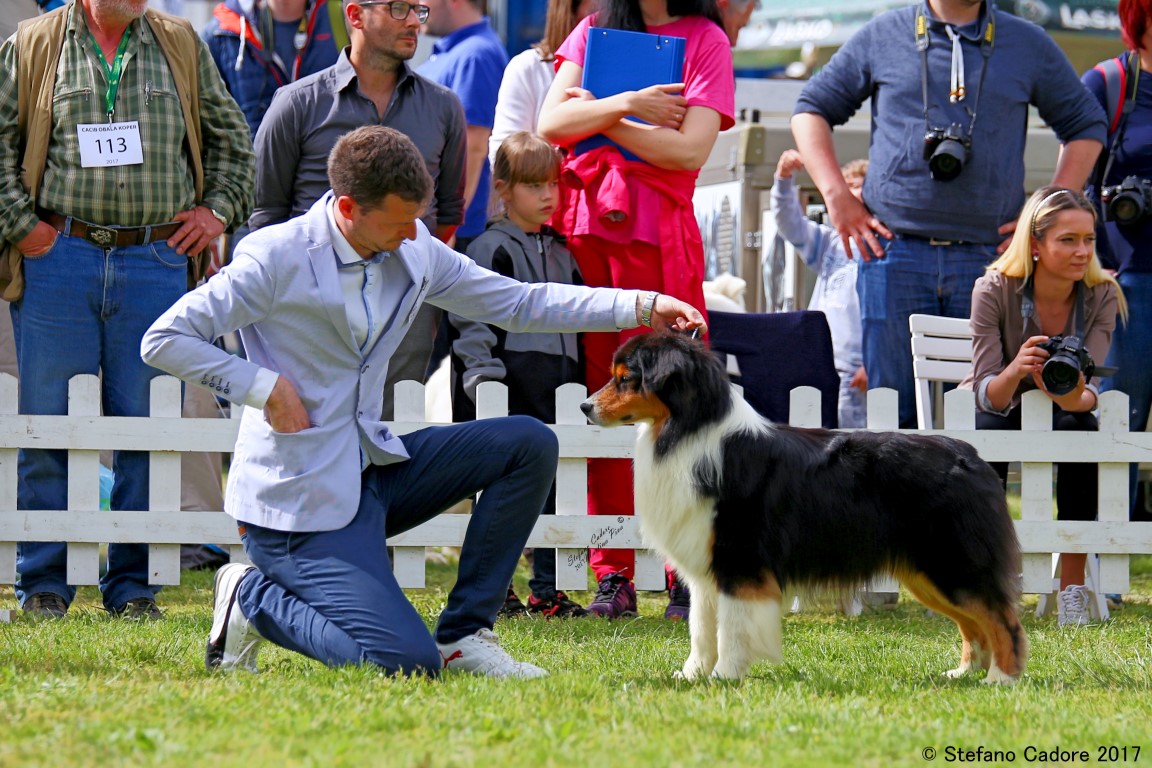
<point>664,379</point>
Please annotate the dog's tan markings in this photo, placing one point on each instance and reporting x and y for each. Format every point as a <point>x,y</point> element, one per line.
<point>985,632</point>
<point>999,628</point>
<point>974,647</point>
<point>622,401</point>
<point>765,589</point>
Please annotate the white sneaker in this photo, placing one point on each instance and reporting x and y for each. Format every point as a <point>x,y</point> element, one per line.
<point>233,642</point>
<point>481,654</point>
<point>1072,603</point>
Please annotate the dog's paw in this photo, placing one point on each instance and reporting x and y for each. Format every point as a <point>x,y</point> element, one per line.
<point>996,676</point>
<point>960,671</point>
<point>728,672</point>
<point>692,670</point>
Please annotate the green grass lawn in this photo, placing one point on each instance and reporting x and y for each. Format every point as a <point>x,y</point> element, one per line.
<point>868,691</point>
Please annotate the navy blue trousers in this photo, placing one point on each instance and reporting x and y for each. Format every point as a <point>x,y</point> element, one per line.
<point>331,595</point>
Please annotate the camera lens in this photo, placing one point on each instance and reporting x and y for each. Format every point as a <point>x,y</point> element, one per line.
<point>1061,373</point>
<point>948,160</point>
<point>1126,208</point>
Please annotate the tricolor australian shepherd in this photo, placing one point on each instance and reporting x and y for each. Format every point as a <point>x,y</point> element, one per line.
<point>744,509</point>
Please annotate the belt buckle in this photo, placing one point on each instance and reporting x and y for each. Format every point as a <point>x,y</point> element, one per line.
<point>105,237</point>
<point>938,241</point>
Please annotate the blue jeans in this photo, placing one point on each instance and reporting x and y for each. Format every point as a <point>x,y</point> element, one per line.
<point>331,595</point>
<point>1131,354</point>
<point>84,310</point>
<point>851,405</point>
<point>914,277</point>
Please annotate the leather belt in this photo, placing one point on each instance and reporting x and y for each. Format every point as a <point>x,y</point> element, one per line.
<point>109,237</point>
<point>935,240</point>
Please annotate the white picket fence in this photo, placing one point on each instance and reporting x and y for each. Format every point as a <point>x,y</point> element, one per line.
<point>84,433</point>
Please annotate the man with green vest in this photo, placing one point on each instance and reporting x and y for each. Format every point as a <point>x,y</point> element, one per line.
<point>122,157</point>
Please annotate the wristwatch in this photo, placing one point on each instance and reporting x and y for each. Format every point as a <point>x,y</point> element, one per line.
<point>218,216</point>
<point>646,309</point>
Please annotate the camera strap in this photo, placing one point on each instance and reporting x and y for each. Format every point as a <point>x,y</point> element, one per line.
<point>1028,308</point>
<point>958,93</point>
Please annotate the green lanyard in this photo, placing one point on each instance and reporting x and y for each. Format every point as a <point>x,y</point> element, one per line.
<point>113,70</point>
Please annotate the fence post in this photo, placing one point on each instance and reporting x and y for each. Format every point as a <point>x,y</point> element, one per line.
<point>164,481</point>
<point>84,480</point>
<point>236,552</point>
<point>960,410</point>
<point>1114,503</point>
<point>1036,489</point>
<point>883,412</point>
<point>9,405</point>
<point>804,407</point>
<point>408,562</point>
<point>571,490</point>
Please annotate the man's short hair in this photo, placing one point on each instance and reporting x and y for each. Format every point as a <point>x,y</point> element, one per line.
<point>372,162</point>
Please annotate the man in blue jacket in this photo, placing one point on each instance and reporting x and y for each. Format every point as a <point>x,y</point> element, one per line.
<point>260,45</point>
<point>950,83</point>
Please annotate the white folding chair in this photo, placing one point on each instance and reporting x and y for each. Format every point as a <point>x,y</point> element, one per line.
<point>941,353</point>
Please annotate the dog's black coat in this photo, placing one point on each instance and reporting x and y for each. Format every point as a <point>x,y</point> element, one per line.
<point>825,508</point>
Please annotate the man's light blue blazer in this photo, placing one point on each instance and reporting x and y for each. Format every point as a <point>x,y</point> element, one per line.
<point>282,293</point>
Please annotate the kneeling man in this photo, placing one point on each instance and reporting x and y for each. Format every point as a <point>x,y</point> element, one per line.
<point>318,481</point>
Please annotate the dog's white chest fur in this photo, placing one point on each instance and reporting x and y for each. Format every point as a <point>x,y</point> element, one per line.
<point>674,518</point>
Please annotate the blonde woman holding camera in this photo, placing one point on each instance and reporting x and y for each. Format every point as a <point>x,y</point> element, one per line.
<point>1047,299</point>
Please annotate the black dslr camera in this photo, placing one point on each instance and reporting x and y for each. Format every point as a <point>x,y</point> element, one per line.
<point>946,151</point>
<point>1127,202</point>
<point>1067,357</point>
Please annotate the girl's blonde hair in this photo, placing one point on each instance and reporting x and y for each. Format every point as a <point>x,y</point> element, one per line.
<point>525,158</point>
<point>1039,216</point>
<point>522,158</point>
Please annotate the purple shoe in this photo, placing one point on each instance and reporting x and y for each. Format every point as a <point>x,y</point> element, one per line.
<point>679,602</point>
<point>615,598</point>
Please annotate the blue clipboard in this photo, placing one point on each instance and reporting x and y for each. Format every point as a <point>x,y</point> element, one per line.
<point>616,61</point>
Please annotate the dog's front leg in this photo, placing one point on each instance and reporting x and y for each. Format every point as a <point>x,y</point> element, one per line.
<point>702,632</point>
<point>749,631</point>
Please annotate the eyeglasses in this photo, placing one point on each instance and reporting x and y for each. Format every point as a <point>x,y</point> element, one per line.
<point>400,9</point>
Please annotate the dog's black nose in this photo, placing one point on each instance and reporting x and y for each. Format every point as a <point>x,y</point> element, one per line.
<point>586,407</point>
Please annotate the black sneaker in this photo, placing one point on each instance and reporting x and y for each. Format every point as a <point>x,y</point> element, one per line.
<point>45,605</point>
<point>556,607</point>
<point>679,602</point>
<point>138,609</point>
<point>513,608</point>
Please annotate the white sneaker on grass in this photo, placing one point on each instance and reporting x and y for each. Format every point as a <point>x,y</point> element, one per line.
<point>1072,603</point>
<point>233,643</point>
<point>481,654</point>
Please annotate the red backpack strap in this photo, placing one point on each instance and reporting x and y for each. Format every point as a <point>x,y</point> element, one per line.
<point>1115,73</point>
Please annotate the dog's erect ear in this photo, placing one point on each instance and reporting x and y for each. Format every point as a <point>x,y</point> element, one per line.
<point>686,376</point>
<point>670,366</point>
<point>655,359</point>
